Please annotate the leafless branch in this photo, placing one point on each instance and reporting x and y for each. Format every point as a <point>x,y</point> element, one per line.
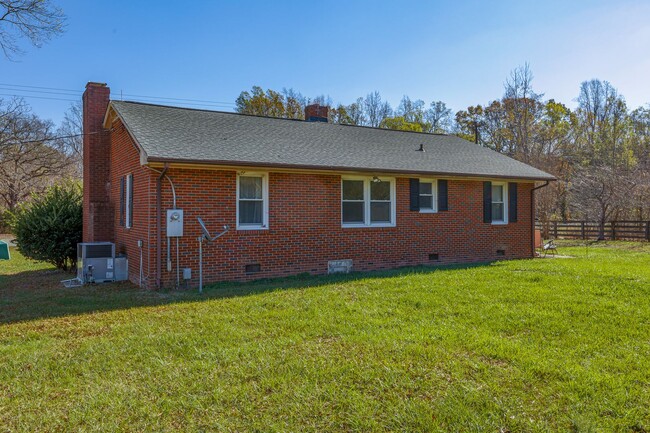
<point>35,20</point>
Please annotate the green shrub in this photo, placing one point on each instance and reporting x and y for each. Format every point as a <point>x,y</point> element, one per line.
<point>49,227</point>
<point>5,220</point>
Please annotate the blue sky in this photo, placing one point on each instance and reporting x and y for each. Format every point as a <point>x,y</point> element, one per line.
<point>459,52</point>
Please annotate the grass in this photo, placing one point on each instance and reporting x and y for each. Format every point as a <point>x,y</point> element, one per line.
<point>518,346</point>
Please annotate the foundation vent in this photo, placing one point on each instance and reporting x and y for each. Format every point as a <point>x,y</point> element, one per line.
<point>339,266</point>
<point>253,268</point>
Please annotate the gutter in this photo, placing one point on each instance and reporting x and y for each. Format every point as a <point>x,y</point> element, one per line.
<point>332,168</point>
<point>532,213</point>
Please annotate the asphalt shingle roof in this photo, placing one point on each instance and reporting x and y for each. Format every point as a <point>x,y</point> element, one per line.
<point>175,134</point>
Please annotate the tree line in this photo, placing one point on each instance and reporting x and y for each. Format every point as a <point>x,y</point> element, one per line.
<point>370,110</point>
<point>599,151</point>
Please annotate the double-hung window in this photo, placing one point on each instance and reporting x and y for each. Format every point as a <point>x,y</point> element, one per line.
<point>129,200</point>
<point>126,201</point>
<point>499,203</point>
<point>252,201</point>
<point>354,201</point>
<point>428,195</point>
<point>367,201</point>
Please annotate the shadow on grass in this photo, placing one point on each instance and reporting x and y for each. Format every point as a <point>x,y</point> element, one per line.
<point>33,295</point>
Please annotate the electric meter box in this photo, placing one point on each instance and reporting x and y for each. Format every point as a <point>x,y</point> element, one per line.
<point>174,223</point>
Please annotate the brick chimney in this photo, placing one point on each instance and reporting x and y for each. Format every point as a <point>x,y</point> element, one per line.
<point>316,113</point>
<point>97,216</point>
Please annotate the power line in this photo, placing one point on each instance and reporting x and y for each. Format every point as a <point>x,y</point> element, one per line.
<point>37,97</point>
<point>182,99</point>
<point>35,91</point>
<point>69,92</point>
<point>159,101</point>
<point>39,87</point>
<point>187,104</point>
<point>60,137</point>
<point>193,104</point>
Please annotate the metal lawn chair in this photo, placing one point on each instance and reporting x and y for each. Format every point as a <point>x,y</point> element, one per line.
<point>549,248</point>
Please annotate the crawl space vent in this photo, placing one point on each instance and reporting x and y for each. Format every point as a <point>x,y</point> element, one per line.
<point>253,268</point>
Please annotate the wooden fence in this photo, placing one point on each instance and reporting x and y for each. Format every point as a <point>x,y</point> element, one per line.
<point>621,230</point>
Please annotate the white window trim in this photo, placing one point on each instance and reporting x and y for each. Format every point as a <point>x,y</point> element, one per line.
<point>128,185</point>
<point>367,180</point>
<point>505,204</point>
<point>434,198</point>
<point>265,202</point>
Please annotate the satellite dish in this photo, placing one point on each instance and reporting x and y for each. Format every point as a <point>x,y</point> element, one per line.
<point>204,229</point>
<point>206,232</point>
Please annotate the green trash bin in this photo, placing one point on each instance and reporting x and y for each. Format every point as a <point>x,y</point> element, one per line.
<point>4,251</point>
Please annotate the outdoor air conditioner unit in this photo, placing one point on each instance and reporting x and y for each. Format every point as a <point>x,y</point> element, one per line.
<point>96,262</point>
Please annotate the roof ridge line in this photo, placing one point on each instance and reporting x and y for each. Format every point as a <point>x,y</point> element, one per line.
<point>281,118</point>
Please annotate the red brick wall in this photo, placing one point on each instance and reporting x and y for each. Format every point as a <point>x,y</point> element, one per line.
<point>126,160</point>
<point>96,168</point>
<point>305,228</point>
<point>304,225</point>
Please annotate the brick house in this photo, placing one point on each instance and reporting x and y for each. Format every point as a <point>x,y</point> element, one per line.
<point>299,196</point>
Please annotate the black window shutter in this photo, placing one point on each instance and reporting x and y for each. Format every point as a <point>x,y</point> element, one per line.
<point>130,200</point>
<point>122,200</point>
<point>443,195</point>
<point>487,202</point>
<point>512,202</point>
<point>415,194</point>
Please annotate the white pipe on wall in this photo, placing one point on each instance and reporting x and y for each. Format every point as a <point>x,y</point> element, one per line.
<point>201,264</point>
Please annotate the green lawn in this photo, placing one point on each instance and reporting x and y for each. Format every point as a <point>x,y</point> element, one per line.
<point>529,345</point>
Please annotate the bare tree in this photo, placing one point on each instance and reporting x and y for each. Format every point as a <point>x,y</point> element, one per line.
<point>438,117</point>
<point>595,104</point>
<point>30,157</point>
<point>323,100</point>
<point>35,20</point>
<point>70,140</point>
<point>375,109</point>
<point>411,111</point>
<point>522,106</point>
<point>601,192</point>
<point>602,115</point>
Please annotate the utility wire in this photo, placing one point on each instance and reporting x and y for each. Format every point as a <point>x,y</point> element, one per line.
<point>37,97</point>
<point>192,104</point>
<point>69,92</point>
<point>178,103</point>
<point>182,99</point>
<point>39,87</point>
<point>34,91</point>
<point>60,137</point>
<point>158,101</point>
